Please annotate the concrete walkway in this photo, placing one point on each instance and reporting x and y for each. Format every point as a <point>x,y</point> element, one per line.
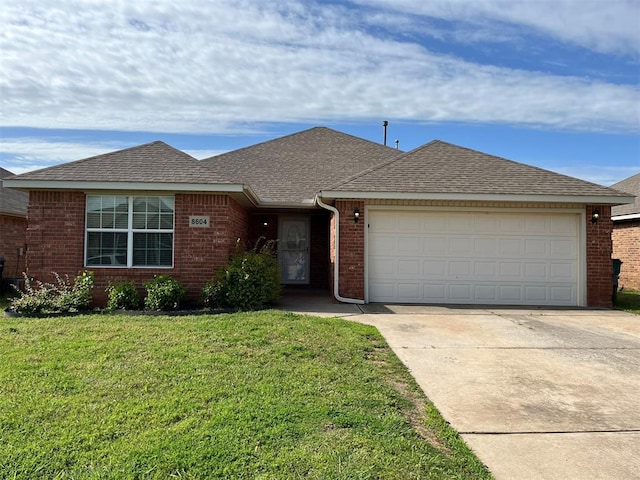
<point>537,394</point>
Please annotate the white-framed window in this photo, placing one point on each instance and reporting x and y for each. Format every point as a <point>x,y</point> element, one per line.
<point>129,231</point>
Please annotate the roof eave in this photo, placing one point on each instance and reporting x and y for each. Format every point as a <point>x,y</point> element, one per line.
<point>478,197</point>
<point>238,189</point>
<point>621,218</point>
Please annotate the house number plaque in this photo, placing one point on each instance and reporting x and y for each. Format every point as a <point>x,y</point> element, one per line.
<point>198,221</point>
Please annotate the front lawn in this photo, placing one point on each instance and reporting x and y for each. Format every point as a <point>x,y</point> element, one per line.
<point>629,301</point>
<point>266,395</point>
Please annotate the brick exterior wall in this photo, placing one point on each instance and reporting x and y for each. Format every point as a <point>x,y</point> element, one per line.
<point>13,236</point>
<point>351,262</point>
<point>56,233</point>
<point>626,247</point>
<point>599,265</point>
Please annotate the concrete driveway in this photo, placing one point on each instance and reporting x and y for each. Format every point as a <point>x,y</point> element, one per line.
<point>537,394</point>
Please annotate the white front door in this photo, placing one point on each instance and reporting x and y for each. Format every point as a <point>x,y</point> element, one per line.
<point>293,250</point>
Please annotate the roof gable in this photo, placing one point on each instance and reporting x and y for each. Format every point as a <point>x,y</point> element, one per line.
<point>292,169</point>
<point>632,186</point>
<point>154,162</point>
<point>442,168</point>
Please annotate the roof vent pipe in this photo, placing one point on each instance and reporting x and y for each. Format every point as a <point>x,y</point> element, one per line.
<point>384,129</point>
<point>397,144</point>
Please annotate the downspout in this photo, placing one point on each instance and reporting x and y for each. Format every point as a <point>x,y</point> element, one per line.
<point>336,269</point>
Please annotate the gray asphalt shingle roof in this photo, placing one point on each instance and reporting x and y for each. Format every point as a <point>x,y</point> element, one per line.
<point>440,167</point>
<point>154,162</point>
<point>12,202</point>
<point>294,168</point>
<point>630,185</point>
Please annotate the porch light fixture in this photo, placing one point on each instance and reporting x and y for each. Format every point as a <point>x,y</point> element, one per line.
<point>595,216</point>
<point>356,215</point>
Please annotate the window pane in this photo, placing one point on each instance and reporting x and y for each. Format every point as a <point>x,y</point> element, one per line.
<point>106,248</point>
<point>93,220</point>
<point>153,249</point>
<point>166,221</point>
<point>166,204</point>
<point>139,220</point>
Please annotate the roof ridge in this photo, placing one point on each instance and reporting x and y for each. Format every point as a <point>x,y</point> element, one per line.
<point>294,134</point>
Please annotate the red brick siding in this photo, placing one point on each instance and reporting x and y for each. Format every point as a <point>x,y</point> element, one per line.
<point>626,247</point>
<point>351,261</point>
<point>599,266</point>
<point>13,236</point>
<point>56,234</point>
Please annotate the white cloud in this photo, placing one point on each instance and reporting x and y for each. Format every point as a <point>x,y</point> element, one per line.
<point>27,154</point>
<point>608,26</point>
<point>198,66</point>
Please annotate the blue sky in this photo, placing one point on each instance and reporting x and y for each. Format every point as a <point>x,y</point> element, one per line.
<point>551,83</point>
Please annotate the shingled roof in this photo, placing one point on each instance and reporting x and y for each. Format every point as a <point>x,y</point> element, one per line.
<point>632,186</point>
<point>442,168</point>
<point>291,169</point>
<point>154,162</point>
<point>12,202</point>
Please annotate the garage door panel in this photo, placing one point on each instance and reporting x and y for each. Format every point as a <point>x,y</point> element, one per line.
<point>460,293</point>
<point>408,268</point>
<point>485,269</point>
<point>409,246</point>
<point>535,247</point>
<point>562,272</point>
<point>490,258</point>
<point>561,248</point>
<point>434,247</point>
<point>459,246</point>
<point>435,268</point>
<point>409,292</point>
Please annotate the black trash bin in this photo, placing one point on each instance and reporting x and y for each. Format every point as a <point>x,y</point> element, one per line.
<point>617,266</point>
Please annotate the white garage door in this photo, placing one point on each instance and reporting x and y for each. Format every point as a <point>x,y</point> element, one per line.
<point>473,257</point>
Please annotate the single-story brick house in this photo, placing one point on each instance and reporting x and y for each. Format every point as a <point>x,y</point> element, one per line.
<point>626,233</point>
<point>13,229</point>
<point>438,224</point>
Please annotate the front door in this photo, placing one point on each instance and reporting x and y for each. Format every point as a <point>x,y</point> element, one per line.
<point>293,250</point>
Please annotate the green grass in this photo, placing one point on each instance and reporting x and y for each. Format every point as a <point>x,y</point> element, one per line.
<point>266,395</point>
<point>629,301</point>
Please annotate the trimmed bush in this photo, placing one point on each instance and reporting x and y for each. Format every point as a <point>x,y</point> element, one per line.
<point>122,296</point>
<point>249,282</point>
<point>163,293</point>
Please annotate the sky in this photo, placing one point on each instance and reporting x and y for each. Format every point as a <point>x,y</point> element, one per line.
<point>550,83</point>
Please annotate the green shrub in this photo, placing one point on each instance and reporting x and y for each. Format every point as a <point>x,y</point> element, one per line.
<point>122,296</point>
<point>163,293</point>
<point>249,282</point>
<point>62,297</point>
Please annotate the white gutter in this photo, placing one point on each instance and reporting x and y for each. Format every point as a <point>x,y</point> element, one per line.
<point>336,269</point>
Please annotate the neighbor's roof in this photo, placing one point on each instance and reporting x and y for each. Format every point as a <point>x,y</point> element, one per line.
<point>442,170</point>
<point>12,202</point>
<point>632,186</point>
<point>154,166</point>
<point>292,169</point>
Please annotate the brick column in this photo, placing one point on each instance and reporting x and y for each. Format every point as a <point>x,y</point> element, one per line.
<point>599,265</point>
<point>351,255</point>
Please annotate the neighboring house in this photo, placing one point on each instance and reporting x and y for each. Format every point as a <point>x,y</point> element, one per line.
<point>439,224</point>
<point>13,228</point>
<point>626,234</point>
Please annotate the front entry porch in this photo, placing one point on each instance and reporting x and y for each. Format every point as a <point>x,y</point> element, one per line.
<point>302,245</point>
